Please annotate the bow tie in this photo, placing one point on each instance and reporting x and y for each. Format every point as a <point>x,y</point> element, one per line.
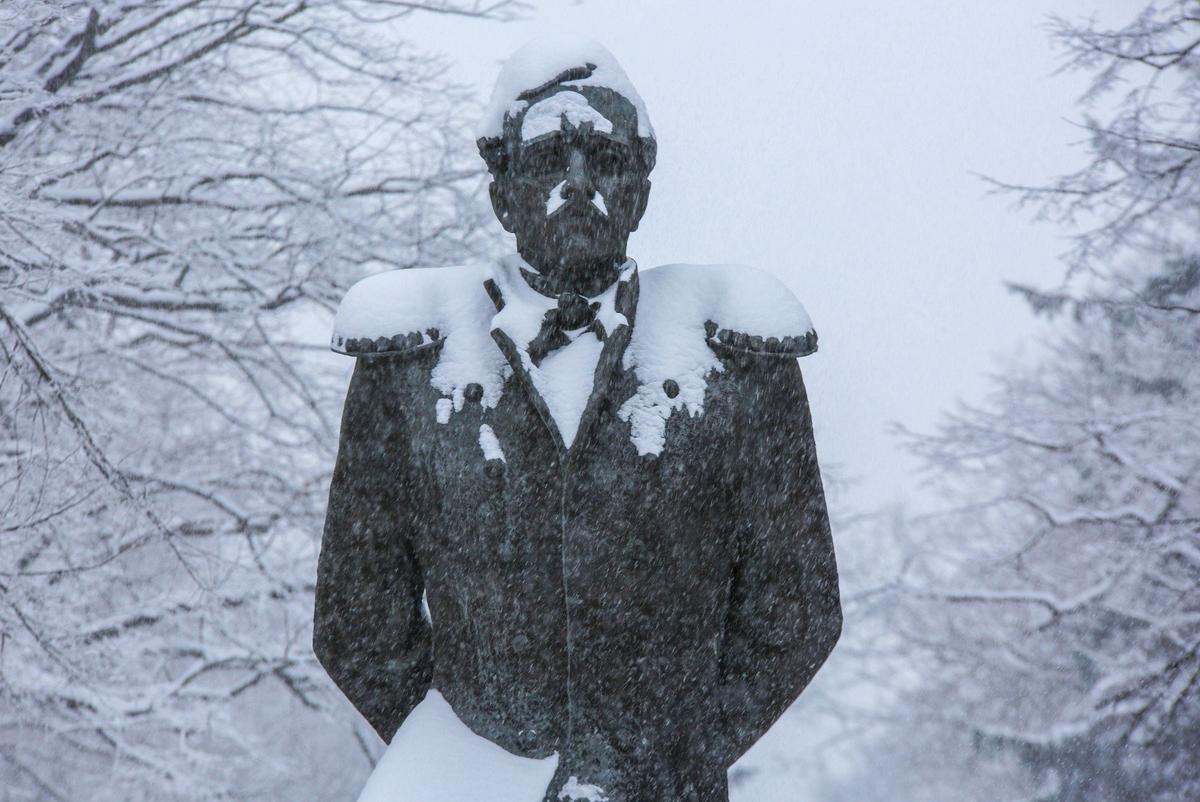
<point>573,312</point>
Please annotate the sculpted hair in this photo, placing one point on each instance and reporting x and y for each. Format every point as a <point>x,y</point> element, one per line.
<point>496,154</point>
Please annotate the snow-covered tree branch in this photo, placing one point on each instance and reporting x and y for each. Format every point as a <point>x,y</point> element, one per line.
<point>1139,186</point>
<point>186,189</point>
<point>1053,614</point>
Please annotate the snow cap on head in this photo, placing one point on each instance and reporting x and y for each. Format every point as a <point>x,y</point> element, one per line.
<point>548,61</point>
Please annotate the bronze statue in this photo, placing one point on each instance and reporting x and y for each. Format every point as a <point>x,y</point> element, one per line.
<point>603,479</point>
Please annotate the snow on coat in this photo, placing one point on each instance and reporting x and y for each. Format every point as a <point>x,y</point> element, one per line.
<point>642,598</point>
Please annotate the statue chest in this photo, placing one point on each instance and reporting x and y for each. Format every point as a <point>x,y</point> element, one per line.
<point>511,521</point>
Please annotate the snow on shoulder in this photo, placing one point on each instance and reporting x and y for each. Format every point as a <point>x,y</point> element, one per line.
<point>690,321</point>
<point>407,311</point>
<point>689,317</point>
<point>545,60</point>
<point>401,310</point>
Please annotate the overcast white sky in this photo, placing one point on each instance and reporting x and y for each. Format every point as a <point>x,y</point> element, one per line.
<point>836,145</point>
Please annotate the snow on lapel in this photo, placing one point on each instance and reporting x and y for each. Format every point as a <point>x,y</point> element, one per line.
<point>565,380</point>
<point>689,316</point>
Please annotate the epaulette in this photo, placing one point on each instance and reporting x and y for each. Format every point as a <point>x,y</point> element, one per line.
<point>744,311</point>
<point>406,311</point>
<point>727,342</point>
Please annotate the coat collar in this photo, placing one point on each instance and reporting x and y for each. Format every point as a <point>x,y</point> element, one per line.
<point>511,333</point>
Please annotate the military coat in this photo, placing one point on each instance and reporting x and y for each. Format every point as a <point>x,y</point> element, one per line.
<point>644,602</point>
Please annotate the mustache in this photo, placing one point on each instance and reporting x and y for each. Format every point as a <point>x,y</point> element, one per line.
<point>555,202</point>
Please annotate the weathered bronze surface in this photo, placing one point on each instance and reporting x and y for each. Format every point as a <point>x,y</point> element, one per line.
<point>645,616</point>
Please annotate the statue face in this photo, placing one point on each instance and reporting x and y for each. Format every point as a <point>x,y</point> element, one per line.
<point>575,184</point>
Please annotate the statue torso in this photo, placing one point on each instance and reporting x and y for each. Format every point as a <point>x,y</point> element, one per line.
<point>578,596</point>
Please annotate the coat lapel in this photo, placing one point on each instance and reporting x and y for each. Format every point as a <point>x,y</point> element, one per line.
<point>508,339</point>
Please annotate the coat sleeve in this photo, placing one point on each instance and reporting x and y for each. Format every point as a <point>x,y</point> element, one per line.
<point>784,614</point>
<point>368,629</point>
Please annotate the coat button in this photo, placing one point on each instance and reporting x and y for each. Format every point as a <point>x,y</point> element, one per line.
<point>520,642</point>
<point>671,388</point>
<point>527,739</point>
<point>473,392</point>
<point>494,469</point>
<point>507,552</point>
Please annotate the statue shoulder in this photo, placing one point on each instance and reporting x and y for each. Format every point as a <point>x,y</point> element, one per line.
<point>743,310</point>
<point>404,311</point>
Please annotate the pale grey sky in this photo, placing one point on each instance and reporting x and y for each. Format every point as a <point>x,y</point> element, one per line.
<point>836,145</point>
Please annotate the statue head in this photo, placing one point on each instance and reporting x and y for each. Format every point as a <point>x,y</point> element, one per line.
<point>570,149</point>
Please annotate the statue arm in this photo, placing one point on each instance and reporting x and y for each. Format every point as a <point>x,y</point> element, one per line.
<point>784,609</point>
<point>368,630</point>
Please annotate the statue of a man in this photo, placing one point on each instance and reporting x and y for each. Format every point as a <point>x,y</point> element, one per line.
<point>602,479</point>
